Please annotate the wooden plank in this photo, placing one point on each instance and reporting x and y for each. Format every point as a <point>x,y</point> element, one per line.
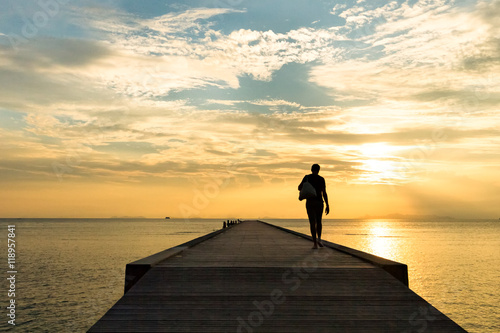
<point>281,312</point>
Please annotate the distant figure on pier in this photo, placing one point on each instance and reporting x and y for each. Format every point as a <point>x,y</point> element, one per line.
<point>314,206</point>
<point>224,225</point>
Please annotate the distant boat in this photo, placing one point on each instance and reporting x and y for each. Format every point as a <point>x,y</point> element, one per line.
<point>167,218</point>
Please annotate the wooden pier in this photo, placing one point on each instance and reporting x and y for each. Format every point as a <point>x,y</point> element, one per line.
<point>255,277</point>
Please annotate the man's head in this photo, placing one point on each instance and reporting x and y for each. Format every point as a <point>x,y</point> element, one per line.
<point>315,169</point>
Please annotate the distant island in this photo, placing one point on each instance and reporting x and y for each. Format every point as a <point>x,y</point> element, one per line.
<point>405,216</point>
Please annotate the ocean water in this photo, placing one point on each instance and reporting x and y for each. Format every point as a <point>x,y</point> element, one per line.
<point>71,271</point>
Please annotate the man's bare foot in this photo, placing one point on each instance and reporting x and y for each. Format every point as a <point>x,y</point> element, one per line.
<point>315,246</point>
<point>320,243</point>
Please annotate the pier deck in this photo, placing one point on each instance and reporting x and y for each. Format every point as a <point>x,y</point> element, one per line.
<point>253,277</point>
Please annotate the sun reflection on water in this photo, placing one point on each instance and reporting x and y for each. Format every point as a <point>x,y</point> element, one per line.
<point>382,241</point>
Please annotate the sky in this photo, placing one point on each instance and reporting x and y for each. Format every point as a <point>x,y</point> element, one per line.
<point>218,108</point>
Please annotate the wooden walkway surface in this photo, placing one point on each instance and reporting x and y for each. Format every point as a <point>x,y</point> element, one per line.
<point>257,278</point>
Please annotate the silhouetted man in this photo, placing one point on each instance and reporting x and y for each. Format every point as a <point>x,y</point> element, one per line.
<point>314,206</point>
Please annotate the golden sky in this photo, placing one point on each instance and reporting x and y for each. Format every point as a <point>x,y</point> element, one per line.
<point>218,108</point>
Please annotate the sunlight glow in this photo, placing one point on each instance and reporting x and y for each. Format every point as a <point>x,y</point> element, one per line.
<point>380,171</point>
<point>379,163</point>
<point>377,150</point>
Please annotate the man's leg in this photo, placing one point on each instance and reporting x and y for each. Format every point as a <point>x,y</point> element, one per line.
<point>311,214</point>
<point>319,225</point>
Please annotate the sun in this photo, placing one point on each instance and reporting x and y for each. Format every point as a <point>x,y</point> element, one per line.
<point>379,163</point>
<point>377,150</point>
<point>379,166</point>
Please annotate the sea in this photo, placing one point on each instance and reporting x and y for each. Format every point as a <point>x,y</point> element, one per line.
<point>69,272</point>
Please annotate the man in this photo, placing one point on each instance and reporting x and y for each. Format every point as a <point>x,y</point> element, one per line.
<point>314,206</point>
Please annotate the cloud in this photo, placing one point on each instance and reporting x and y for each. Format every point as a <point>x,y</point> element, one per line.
<point>428,52</point>
<point>210,57</point>
<point>223,102</point>
<point>276,103</point>
<point>338,8</point>
<point>403,137</point>
<point>174,23</point>
<point>486,55</point>
<point>46,53</point>
<point>48,70</point>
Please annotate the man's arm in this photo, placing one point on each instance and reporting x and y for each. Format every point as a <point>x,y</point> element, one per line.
<point>325,196</point>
